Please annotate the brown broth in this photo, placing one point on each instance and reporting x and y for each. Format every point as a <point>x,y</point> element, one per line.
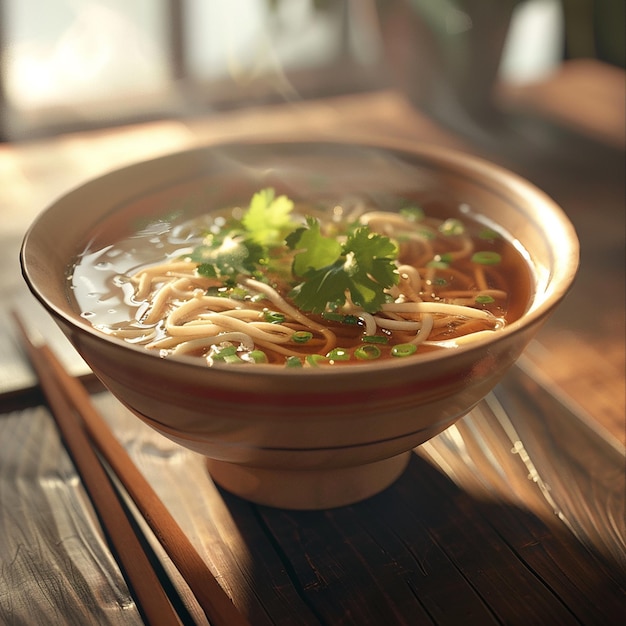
<point>105,297</point>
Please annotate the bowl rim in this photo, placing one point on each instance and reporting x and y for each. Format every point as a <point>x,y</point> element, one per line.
<point>455,160</point>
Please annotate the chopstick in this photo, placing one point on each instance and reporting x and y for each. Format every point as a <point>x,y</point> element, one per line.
<point>72,409</point>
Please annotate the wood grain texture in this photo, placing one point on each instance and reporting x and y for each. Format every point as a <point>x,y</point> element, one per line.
<point>468,520</point>
<point>98,438</point>
<point>151,595</point>
<point>54,562</point>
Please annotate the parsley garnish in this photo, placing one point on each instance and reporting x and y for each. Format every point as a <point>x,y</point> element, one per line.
<point>228,257</point>
<point>268,218</point>
<point>244,248</point>
<point>364,266</point>
<point>326,270</point>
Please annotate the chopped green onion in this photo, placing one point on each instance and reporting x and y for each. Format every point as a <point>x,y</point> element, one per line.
<point>238,293</point>
<point>440,282</point>
<point>486,257</point>
<point>339,354</point>
<point>412,213</point>
<point>351,320</point>
<point>314,360</point>
<point>452,226</point>
<point>232,358</point>
<point>403,349</point>
<point>302,336</point>
<point>438,265</point>
<point>293,361</point>
<point>226,354</point>
<point>273,317</point>
<point>257,356</point>
<point>367,353</point>
<point>225,351</point>
<point>332,316</point>
<point>488,234</point>
<point>426,234</point>
<point>207,270</point>
<point>375,339</point>
<point>219,292</point>
<point>484,299</point>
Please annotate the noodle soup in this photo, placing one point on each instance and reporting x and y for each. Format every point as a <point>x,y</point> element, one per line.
<point>295,285</point>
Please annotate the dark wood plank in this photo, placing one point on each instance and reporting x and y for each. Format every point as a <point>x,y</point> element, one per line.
<point>397,558</point>
<point>224,529</point>
<point>55,566</point>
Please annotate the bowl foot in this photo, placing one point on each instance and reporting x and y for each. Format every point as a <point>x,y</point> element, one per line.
<point>308,489</point>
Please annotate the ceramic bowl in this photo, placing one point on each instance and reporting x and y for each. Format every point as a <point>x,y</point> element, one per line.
<point>304,438</point>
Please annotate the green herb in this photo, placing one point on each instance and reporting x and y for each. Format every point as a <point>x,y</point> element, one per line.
<point>317,251</point>
<point>228,257</point>
<point>293,361</point>
<point>233,358</point>
<point>234,292</point>
<point>273,317</point>
<point>268,218</point>
<point>314,360</point>
<point>339,354</point>
<point>224,351</point>
<point>452,226</point>
<point>424,233</point>
<point>375,339</point>
<point>331,316</point>
<point>440,261</point>
<point>302,336</point>
<point>412,213</point>
<point>488,234</point>
<point>438,265</point>
<point>486,257</point>
<point>327,270</point>
<point>257,356</point>
<point>403,349</point>
<point>226,354</point>
<point>367,352</point>
<point>243,248</point>
<point>485,299</point>
<point>363,267</point>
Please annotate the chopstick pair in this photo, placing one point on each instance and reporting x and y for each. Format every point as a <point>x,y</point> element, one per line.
<point>81,426</point>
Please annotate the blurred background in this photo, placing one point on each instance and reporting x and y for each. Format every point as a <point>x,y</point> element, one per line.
<point>77,64</point>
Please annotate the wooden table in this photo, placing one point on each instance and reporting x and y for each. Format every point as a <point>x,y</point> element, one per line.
<point>513,516</point>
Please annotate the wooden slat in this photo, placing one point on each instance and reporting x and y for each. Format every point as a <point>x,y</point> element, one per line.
<point>397,557</point>
<point>50,537</point>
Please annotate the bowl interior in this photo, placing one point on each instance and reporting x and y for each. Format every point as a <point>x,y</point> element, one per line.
<point>181,186</point>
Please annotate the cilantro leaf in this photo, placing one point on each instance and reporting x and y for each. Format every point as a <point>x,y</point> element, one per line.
<point>268,218</point>
<point>374,255</point>
<point>320,251</point>
<point>228,258</point>
<point>322,287</point>
<point>363,267</point>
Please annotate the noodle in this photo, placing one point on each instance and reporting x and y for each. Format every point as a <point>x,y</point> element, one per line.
<point>443,298</point>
